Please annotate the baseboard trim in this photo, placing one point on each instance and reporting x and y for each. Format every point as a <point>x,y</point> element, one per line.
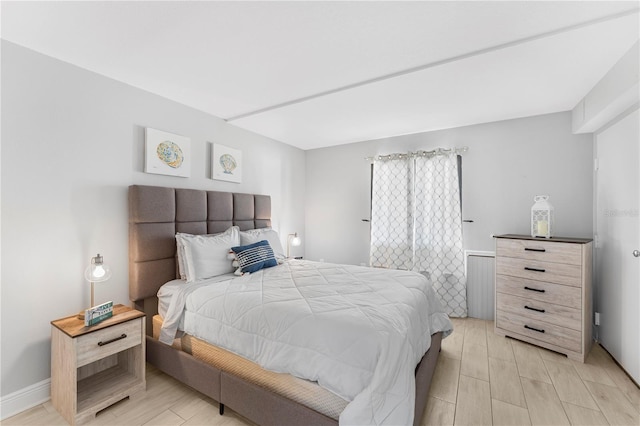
<point>24,399</point>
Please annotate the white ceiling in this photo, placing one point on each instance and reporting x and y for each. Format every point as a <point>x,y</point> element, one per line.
<point>315,74</point>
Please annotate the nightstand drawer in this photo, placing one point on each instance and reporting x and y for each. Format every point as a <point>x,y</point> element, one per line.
<point>540,311</point>
<point>102,343</point>
<point>539,330</point>
<point>544,251</point>
<point>540,291</point>
<point>540,271</point>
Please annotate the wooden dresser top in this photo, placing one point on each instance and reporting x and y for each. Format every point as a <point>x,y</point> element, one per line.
<point>552,239</point>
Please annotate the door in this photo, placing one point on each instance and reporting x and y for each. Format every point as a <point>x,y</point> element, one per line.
<point>618,236</point>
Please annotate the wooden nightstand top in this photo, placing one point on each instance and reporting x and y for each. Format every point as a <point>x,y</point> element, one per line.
<point>74,326</point>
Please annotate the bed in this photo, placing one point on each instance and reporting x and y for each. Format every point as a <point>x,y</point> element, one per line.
<point>156,214</point>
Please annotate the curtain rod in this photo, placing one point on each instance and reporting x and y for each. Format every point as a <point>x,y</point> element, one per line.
<point>437,151</point>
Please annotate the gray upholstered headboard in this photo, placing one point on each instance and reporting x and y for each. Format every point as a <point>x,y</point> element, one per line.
<point>157,213</point>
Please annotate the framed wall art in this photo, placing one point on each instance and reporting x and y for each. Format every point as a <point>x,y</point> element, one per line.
<point>226,163</point>
<point>167,154</point>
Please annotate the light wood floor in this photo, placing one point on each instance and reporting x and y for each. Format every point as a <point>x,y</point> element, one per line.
<point>481,379</point>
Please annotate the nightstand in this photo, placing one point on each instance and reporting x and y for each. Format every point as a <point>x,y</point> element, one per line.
<point>97,366</point>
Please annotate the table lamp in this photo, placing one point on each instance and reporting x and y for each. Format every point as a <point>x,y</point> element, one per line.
<point>96,272</point>
<point>292,240</point>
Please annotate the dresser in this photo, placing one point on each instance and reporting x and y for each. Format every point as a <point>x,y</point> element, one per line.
<point>543,292</point>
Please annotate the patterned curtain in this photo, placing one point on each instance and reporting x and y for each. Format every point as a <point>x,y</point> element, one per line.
<point>416,222</point>
<point>392,214</point>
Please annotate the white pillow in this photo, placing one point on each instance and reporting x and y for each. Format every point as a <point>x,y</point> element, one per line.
<point>254,235</point>
<point>205,256</point>
<point>182,270</point>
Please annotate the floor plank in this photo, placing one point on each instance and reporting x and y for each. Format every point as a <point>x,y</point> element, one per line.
<point>582,416</point>
<point>544,405</point>
<point>474,402</point>
<point>591,371</point>
<point>568,384</point>
<point>505,382</point>
<point>529,362</point>
<point>192,406</point>
<point>475,362</point>
<point>166,418</point>
<point>475,335</point>
<point>499,347</point>
<point>613,404</point>
<point>625,384</point>
<point>508,414</point>
<point>438,413</point>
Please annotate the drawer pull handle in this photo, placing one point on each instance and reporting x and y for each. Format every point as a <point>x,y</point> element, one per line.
<point>534,329</point>
<point>115,339</point>
<point>534,309</point>
<point>533,249</point>
<point>526,268</point>
<point>534,289</point>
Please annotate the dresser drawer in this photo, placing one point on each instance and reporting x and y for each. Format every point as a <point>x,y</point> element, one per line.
<point>543,251</point>
<point>558,273</point>
<point>540,311</point>
<point>539,330</point>
<point>102,343</point>
<point>540,291</point>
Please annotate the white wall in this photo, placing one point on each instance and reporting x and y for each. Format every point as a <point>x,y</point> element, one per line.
<point>72,142</point>
<point>508,162</point>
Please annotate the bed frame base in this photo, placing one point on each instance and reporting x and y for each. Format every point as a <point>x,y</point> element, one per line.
<point>185,368</point>
<point>258,404</point>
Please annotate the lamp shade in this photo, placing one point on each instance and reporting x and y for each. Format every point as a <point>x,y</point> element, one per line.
<point>292,240</point>
<point>97,271</point>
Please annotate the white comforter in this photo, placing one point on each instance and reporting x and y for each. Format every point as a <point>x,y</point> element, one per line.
<point>359,332</point>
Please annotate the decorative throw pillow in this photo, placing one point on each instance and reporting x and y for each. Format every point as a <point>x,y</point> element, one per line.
<point>254,235</point>
<point>253,257</point>
<point>205,256</point>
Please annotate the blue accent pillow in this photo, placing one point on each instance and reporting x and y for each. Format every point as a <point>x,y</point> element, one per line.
<point>253,257</point>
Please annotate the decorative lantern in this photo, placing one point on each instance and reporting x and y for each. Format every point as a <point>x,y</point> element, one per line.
<point>541,217</point>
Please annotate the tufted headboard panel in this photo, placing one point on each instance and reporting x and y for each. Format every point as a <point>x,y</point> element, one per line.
<point>157,213</point>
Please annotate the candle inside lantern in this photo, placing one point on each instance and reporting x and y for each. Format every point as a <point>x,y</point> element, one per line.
<point>543,227</point>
